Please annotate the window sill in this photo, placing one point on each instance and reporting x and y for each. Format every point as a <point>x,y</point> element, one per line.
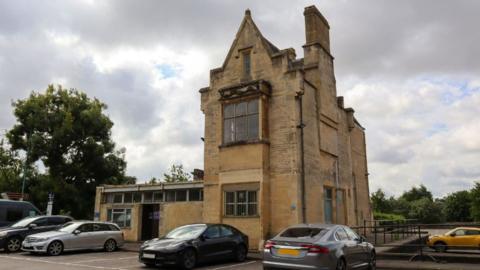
<point>237,143</point>
<point>256,216</point>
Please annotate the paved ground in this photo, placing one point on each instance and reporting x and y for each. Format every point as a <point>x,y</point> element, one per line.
<point>120,260</point>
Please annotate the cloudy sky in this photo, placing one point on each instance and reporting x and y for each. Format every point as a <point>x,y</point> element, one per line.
<point>409,68</point>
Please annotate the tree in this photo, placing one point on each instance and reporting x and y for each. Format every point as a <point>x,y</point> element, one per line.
<point>475,196</point>
<point>426,211</point>
<point>11,167</point>
<point>457,206</point>
<point>177,174</point>
<point>380,202</point>
<point>417,194</point>
<point>71,135</point>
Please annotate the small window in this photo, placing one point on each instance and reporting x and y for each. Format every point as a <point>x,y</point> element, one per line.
<point>246,64</point>
<point>303,232</point>
<point>460,232</point>
<point>473,232</point>
<point>147,197</point>
<point>86,228</point>
<point>128,198</point>
<point>170,196</point>
<point>101,227</point>
<point>241,121</point>
<point>137,197</point>
<point>240,203</point>
<point>195,195</point>
<point>121,217</point>
<point>158,196</point>
<point>328,205</point>
<point>181,195</point>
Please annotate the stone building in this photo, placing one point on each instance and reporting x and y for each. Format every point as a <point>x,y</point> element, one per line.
<point>280,147</point>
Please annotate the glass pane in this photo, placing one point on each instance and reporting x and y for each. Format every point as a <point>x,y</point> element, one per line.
<point>241,128</point>
<point>228,131</point>
<point>127,198</point>
<point>147,197</point>
<point>328,193</point>
<point>241,196</point>
<point>158,196</point>
<point>240,108</point>
<point>181,196</point>
<point>241,209</point>
<point>328,211</point>
<point>128,217</point>
<point>170,196</point>
<point>230,210</point>
<point>230,197</point>
<point>194,195</point>
<point>109,215</point>
<point>119,219</point>
<point>253,126</point>
<point>252,196</point>
<point>117,198</point>
<point>246,63</point>
<point>228,110</point>
<point>110,198</point>
<point>137,197</point>
<point>252,209</point>
<point>253,106</point>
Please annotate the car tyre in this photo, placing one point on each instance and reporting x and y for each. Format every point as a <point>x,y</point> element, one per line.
<point>55,248</point>
<point>188,259</point>
<point>341,264</point>
<point>241,253</point>
<point>149,264</point>
<point>372,265</point>
<point>110,245</point>
<point>13,244</point>
<point>440,247</point>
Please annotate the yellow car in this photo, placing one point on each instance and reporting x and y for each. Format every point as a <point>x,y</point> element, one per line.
<point>458,238</point>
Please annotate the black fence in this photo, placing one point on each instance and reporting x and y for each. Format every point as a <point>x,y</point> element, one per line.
<point>409,237</point>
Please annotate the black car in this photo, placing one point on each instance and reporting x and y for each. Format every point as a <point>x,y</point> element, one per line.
<point>188,245</point>
<point>11,237</point>
<point>13,211</point>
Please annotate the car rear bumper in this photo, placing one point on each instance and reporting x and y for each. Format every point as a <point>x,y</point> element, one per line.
<point>308,262</point>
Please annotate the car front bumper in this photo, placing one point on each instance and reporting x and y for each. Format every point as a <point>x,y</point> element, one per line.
<point>35,246</point>
<point>158,258</point>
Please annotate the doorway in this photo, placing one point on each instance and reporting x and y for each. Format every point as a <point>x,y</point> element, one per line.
<point>150,221</point>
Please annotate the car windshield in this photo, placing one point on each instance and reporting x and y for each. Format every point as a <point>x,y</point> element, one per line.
<point>69,227</point>
<point>186,232</point>
<point>24,222</point>
<point>303,232</point>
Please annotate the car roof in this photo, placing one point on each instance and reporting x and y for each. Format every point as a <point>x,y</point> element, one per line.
<point>467,228</point>
<point>315,225</point>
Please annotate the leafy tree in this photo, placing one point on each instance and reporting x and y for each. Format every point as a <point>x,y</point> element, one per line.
<point>457,206</point>
<point>177,174</point>
<point>71,135</point>
<point>380,202</point>
<point>417,194</point>
<point>475,196</point>
<point>426,211</point>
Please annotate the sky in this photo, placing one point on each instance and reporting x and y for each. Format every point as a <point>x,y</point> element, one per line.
<point>410,69</point>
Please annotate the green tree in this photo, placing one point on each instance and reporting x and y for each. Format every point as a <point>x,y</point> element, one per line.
<point>11,168</point>
<point>417,194</point>
<point>457,206</point>
<point>475,196</point>
<point>177,174</point>
<point>426,210</point>
<point>71,135</point>
<point>380,203</point>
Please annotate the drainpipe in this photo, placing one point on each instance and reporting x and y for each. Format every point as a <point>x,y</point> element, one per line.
<point>301,126</point>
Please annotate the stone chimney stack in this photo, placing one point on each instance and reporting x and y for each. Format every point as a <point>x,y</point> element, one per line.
<point>316,28</point>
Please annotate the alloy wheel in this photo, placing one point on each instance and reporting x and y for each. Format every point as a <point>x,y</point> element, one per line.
<point>189,259</point>
<point>14,244</point>
<point>241,253</point>
<point>440,247</point>
<point>373,262</point>
<point>55,248</point>
<point>110,245</point>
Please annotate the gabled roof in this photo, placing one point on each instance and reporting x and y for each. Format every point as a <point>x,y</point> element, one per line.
<point>271,49</point>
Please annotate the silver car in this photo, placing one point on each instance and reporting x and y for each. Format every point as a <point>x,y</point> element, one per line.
<point>75,235</point>
<point>318,246</point>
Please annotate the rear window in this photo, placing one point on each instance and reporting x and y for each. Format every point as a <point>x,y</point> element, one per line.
<point>303,232</point>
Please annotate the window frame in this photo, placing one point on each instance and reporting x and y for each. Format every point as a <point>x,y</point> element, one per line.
<point>236,117</point>
<point>246,203</point>
<point>126,212</point>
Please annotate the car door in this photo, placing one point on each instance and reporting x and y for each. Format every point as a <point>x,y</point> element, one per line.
<point>350,247</point>
<point>212,244</point>
<point>101,234</point>
<point>84,238</point>
<point>41,225</point>
<point>362,249</point>
<point>473,239</point>
<point>228,237</point>
<point>458,239</point>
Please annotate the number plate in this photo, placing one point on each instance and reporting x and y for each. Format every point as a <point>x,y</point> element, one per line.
<point>291,252</point>
<point>148,256</point>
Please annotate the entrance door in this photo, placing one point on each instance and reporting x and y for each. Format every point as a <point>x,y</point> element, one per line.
<point>150,221</point>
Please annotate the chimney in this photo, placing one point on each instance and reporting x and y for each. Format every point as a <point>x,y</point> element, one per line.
<point>316,28</point>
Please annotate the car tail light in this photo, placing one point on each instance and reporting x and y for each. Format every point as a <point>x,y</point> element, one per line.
<point>269,244</point>
<point>316,249</point>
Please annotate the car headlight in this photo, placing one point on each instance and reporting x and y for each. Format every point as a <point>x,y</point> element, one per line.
<point>3,234</point>
<point>148,242</point>
<point>41,239</point>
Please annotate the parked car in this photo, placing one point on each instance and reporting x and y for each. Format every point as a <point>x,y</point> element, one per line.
<point>318,246</point>
<point>76,235</point>
<point>13,211</point>
<point>11,237</point>
<point>188,245</point>
<point>458,238</point>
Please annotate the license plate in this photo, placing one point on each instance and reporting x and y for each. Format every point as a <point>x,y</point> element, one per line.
<point>148,256</point>
<point>291,252</point>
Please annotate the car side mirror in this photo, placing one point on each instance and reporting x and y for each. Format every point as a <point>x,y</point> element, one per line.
<point>361,239</point>
<point>76,232</point>
<point>32,226</point>
<point>453,234</point>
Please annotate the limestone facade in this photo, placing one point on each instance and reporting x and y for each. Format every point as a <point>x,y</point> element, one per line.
<point>255,108</point>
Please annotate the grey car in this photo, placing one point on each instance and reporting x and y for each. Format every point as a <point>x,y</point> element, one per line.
<point>75,235</point>
<point>318,246</point>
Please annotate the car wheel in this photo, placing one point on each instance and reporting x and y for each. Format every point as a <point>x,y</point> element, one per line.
<point>14,244</point>
<point>110,245</point>
<point>241,253</point>
<point>149,264</point>
<point>188,259</point>
<point>372,265</point>
<point>440,247</point>
<point>341,265</point>
<point>55,248</point>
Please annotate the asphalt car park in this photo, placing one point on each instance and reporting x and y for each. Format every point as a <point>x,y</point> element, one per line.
<point>119,260</point>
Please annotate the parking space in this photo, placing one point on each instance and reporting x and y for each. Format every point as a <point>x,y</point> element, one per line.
<point>120,260</point>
